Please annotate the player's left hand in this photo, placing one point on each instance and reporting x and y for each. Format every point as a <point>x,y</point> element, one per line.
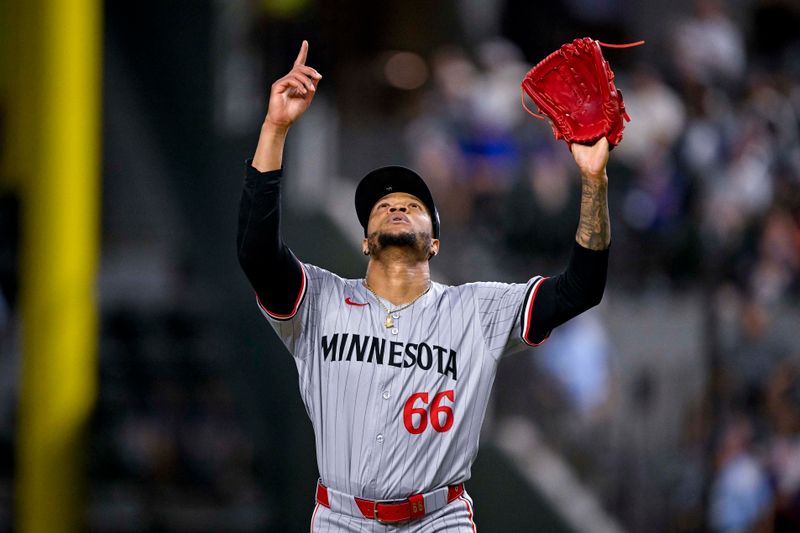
<point>592,160</point>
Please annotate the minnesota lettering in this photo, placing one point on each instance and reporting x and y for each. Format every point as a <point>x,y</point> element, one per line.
<point>349,347</point>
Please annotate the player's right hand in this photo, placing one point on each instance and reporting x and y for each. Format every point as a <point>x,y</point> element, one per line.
<point>291,95</point>
<point>592,159</point>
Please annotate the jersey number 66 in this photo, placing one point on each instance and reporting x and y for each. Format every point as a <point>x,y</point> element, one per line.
<point>441,416</point>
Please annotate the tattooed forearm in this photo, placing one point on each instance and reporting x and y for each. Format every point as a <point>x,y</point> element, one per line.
<point>594,228</point>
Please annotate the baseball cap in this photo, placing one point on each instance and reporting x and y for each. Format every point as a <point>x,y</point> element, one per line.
<point>386,180</point>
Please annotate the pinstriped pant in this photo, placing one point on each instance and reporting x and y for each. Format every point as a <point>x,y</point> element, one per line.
<point>455,517</point>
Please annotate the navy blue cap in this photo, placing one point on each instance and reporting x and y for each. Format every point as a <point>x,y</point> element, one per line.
<point>386,180</point>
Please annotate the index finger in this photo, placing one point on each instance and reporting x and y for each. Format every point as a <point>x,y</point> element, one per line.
<point>301,57</point>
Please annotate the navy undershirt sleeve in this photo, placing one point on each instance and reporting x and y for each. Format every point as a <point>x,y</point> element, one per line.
<point>578,288</point>
<point>273,270</point>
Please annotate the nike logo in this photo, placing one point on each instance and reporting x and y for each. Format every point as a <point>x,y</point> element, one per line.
<point>348,301</point>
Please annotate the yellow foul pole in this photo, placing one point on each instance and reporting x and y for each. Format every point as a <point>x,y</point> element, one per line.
<point>60,203</point>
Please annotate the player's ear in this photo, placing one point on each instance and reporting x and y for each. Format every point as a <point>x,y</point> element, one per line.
<point>365,246</point>
<point>434,248</point>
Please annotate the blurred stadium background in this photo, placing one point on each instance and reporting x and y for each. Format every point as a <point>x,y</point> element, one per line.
<point>140,390</point>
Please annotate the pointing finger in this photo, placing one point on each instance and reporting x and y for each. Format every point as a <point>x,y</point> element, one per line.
<point>301,57</point>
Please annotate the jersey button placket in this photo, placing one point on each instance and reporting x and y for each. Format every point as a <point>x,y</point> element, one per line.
<point>380,411</point>
<point>384,447</point>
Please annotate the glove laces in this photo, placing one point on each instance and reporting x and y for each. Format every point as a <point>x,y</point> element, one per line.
<point>626,45</point>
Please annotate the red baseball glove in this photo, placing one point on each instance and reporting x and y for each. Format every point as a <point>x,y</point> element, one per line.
<point>574,87</point>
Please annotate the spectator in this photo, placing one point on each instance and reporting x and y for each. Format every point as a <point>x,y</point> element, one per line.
<point>709,48</point>
<point>741,498</point>
<point>784,448</point>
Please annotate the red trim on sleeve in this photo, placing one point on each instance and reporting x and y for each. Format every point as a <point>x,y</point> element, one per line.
<point>529,315</point>
<point>297,302</point>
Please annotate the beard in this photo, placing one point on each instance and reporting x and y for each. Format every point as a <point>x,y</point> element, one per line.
<point>413,241</point>
<point>397,239</point>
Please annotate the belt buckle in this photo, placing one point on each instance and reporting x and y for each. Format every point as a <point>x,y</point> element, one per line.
<point>377,518</point>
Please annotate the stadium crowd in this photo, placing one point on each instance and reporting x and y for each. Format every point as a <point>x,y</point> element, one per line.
<point>705,196</point>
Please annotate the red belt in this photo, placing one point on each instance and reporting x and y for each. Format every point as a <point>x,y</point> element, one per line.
<point>394,511</point>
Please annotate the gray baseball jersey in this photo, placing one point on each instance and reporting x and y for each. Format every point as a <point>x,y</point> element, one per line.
<point>398,410</point>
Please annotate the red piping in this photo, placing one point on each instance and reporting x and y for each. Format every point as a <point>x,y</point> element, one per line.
<point>296,302</point>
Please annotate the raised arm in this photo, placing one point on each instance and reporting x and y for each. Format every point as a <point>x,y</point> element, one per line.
<point>594,228</point>
<point>581,285</point>
<point>289,98</point>
<point>273,271</point>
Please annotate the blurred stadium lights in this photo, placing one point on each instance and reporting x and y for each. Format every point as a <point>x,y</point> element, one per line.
<point>284,8</point>
<point>405,70</point>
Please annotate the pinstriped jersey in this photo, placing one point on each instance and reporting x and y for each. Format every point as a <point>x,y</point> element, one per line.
<point>398,410</point>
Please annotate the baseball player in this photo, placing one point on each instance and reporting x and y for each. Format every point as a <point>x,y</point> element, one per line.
<point>395,369</point>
